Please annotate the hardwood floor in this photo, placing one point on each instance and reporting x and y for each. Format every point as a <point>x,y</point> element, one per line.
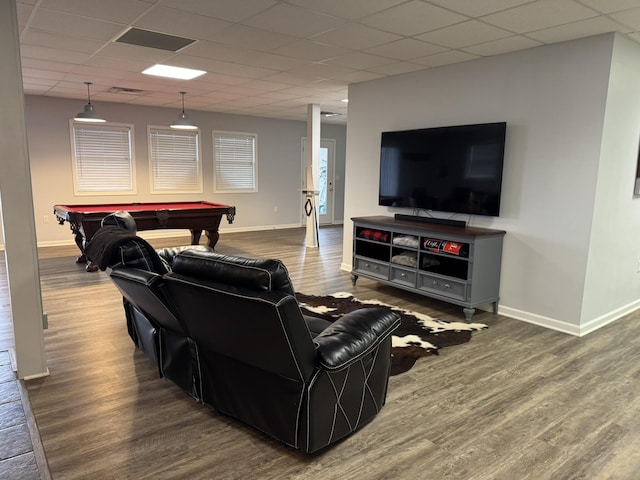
<point>517,402</point>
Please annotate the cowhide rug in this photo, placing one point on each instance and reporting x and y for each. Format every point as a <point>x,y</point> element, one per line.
<point>417,336</point>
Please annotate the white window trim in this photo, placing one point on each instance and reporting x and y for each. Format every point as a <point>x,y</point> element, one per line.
<point>84,193</point>
<point>200,182</point>
<point>255,162</point>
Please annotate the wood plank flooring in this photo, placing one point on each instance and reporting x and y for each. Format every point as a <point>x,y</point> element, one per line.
<point>517,402</point>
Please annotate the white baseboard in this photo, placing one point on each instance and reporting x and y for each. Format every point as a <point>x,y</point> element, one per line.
<point>540,320</point>
<point>570,328</point>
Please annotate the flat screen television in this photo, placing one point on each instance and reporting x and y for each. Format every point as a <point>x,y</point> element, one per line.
<point>455,169</point>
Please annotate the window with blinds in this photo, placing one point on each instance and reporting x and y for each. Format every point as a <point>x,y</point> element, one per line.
<point>103,161</point>
<point>235,162</point>
<point>175,161</point>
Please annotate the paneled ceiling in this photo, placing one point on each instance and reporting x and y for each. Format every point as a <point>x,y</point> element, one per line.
<point>272,58</point>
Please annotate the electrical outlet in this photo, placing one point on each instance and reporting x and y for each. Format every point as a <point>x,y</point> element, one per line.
<point>46,219</point>
<point>275,209</point>
<point>638,267</point>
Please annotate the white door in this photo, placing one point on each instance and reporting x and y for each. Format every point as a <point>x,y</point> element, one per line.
<point>326,180</point>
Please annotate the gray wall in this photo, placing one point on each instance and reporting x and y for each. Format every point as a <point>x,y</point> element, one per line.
<point>279,164</point>
<point>570,160</point>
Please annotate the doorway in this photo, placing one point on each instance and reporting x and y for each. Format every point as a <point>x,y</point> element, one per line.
<point>326,181</point>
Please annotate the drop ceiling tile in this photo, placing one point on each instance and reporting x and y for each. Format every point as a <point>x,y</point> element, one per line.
<point>216,51</point>
<point>317,71</point>
<point>58,22</point>
<point>119,11</point>
<point>478,8</point>
<point>405,49</point>
<point>276,96</point>
<point>226,68</point>
<point>445,58</point>
<point>117,64</point>
<point>242,90</point>
<point>243,36</point>
<point>229,10</point>
<point>464,34</point>
<point>264,85</point>
<point>38,38</point>
<point>355,36</point>
<point>292,20</point>
<point>361,76</point>
<point>212,50</point>
<point>292,81</point>
<point>359,60</point>
<point>583,28</point>
<point>44,74</point>
<point>630,18</point>
<point>351,9</point>
<point>609,6</point>
<point>30,89</point>
<point>52,54</point>
<point>39,64</point>
<point>412,18</point>
<point>274,62</point>
<point>305,91</point>
<point>81,73</point>
<point>503,45</point>
<point>397,68</point>
<point>39,81</point>
<point>310,51</point>
<point>538,15</point>
<point>181,23</point>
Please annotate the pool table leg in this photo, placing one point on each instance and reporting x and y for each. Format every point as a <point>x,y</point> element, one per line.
<point>195,236</point>
<point>78,236</point>
<point>213,237</point>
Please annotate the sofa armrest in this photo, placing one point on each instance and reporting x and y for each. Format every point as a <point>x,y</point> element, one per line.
<point>353,336</point>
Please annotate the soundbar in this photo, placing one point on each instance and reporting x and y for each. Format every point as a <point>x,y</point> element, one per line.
<point>441,221</point>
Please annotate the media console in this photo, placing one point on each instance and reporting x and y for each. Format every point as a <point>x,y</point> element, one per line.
<point>459,265</point>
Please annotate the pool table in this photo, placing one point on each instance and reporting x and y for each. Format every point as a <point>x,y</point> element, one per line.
<point>84,220</point>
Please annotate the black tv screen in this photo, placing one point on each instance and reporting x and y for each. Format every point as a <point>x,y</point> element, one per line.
<point>448,169</point>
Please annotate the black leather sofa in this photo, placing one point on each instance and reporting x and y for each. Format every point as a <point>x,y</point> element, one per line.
<point>229,331</point>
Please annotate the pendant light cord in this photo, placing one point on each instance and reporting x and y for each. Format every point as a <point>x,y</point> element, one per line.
<point>88,92</point>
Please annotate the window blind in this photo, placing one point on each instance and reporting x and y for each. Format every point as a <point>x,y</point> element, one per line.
<point>175,161</point>
<point>235,161</point>
<point>102,159</point>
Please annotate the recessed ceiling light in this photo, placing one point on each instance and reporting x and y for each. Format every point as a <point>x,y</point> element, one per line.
<point>173,72</point>
<point>345,100</point>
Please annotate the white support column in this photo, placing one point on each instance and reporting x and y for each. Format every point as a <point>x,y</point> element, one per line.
<point>310,195</point>
<point>16,202</point>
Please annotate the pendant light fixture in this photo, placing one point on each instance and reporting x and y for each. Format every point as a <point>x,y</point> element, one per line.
<point>183,122</point>
<point>89,114</point>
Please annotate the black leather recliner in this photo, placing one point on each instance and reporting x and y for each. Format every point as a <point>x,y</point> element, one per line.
<point>248,351</point>
<point>260,360</point>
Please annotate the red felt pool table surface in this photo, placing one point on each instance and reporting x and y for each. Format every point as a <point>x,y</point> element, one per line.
<point>84,220</point>
<point>140,207</point>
